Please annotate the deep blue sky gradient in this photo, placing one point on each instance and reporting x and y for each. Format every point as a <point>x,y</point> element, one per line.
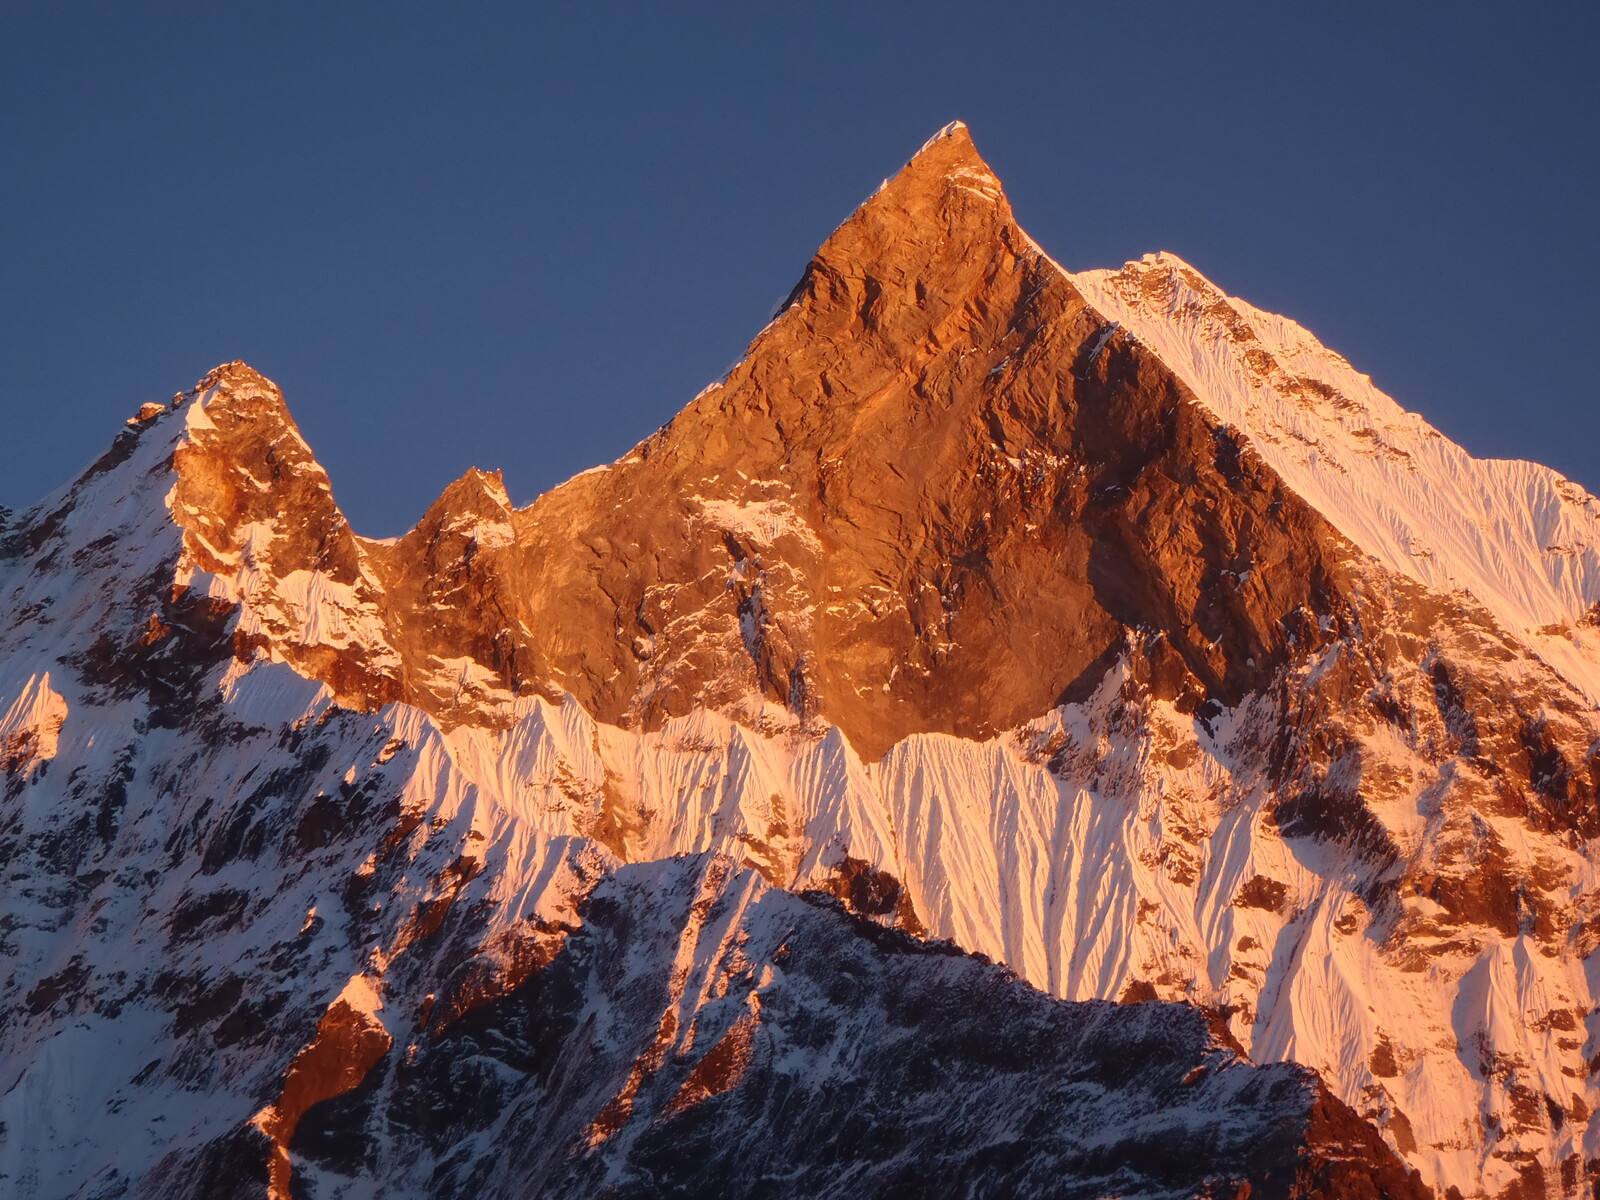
<point>524,235</point>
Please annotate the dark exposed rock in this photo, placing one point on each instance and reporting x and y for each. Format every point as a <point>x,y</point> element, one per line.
<point>965,1078</point>
<point>872,892</point>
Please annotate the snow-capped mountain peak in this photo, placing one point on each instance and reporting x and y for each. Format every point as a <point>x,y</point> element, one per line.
<point>1098,624</point>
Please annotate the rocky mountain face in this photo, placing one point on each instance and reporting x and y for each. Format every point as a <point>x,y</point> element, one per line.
<point>782,809</point>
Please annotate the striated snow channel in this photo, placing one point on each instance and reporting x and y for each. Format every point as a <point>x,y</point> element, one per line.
<point>1113,849</point>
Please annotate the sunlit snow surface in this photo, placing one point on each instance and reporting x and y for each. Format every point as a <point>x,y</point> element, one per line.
<point>1524,541</point>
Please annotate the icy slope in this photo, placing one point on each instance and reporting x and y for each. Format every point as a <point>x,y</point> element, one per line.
<point>1522,540</point>
<point>1371,915</point>
<point>293,946</point>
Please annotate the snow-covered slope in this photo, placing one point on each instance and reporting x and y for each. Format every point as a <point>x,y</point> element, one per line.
<point>1074,620</point>
<point>1520,539</point>
<point>289,948</point>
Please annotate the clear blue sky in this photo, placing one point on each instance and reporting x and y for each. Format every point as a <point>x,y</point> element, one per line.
<point>523,235</point>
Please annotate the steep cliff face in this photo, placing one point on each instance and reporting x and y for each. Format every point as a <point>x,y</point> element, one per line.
<point>937,458</point>
<point>1100,624</point>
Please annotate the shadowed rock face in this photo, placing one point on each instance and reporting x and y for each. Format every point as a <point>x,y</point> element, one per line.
<point>689,1038</point>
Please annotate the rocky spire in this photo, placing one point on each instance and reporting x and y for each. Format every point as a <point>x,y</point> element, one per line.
<point>919,246</point>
